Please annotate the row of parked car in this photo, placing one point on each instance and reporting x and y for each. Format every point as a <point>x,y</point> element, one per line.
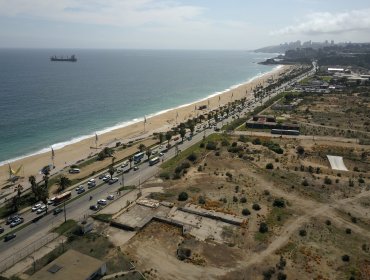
<point>12,221</point>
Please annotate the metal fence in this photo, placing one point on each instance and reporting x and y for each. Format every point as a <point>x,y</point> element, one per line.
<point>26,251</point>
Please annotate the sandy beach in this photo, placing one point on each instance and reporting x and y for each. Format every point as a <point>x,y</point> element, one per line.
<point>70,154</point>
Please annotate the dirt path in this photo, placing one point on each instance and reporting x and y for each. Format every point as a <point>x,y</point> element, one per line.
<point>311,208</point>
<point>292,228</point>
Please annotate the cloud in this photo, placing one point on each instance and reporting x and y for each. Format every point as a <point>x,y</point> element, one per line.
<point>127,13</point>
<point>330,23</point>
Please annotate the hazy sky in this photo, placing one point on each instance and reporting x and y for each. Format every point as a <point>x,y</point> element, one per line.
<point>179,24</point>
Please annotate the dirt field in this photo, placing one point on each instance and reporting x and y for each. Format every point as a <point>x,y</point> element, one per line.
<point>307,207</point>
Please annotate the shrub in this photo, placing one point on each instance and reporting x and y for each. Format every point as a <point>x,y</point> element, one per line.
<point>183,253</point>
<point>201,200</point>
<point>211,146</point>
<point>202,145</point>
<point>228,174</point>
<point>263,228</point>
<point>266,192</point>
<point>225,143</point>
<point>328,222</point>
<point>185,165</point>
<point>348,231</point>
<point>242,138</point>
<point>302,232</point>
<point>200,168</point>
<point>281,276</point>
<point>267,274</point>
<point>256,141</point>
<point>243,200</point>
<point>192,157</point>
<point>279,202</point>
<point>345,258</point>
<point>183,196</point>
<point>246,212</point>
<point>305,183</point>
<point>256,207</point>
<point>354,220</point>
<point>235,199</point>
<point>165,175</point>
<point>269,166</point>
<point>300,150</point>
<point>327,181</point>
<point>217,154</point>
<point>234,144</point>
<point>361,180</point>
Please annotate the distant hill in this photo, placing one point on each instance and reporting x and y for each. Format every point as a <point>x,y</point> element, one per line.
<point>282,48</point>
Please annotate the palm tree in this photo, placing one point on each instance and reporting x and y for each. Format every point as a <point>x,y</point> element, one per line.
<point>14,204</point>
<point>63,183</point>
<point>32,180</point>
<point>111,170</point>
<point>161,137</point>
<point>191,127</point>
<point>182,134</point>
<point>148,152</point>
<point>168,137</point>
<point>44,195</point>
<point>141,148</point>
<point>130,159</point>
<point>19,190</point>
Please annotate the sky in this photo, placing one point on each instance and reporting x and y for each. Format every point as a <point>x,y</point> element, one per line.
<point>179,24</point>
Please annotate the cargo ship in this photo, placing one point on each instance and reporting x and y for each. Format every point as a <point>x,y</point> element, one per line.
<point>70,59</point>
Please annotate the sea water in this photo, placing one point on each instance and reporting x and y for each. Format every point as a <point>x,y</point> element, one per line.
<point>44,103</point>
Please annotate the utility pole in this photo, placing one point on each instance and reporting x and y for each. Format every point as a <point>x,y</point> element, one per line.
<point>65,214</point>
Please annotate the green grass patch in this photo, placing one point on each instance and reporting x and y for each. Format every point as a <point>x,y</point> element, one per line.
<point>261,237</point>
<point>278,216</point>
<point>106,218</point>
<point>66,227</point>
<point>162,196</point>
<point>124,188</point>
<point>235,124</point>
<point>171,164</point>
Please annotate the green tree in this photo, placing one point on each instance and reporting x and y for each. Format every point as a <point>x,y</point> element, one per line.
<point>161,137</point>
<point>168,137</point>
<point>130,160</point>
<point>63,183</point>
<point>141,148</point>
<point>183,196</point>
<point>32,180</point>
<point>182,133</point>
<point>192,128</point>
<point>148,152</point>
<point>111,170</point>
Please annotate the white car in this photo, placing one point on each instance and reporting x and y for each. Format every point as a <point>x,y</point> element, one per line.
<point>51,200</point>
<point>35,207</point>
<point>110,197</point>
<point>106,178</point>
<point>102,202</point>
<point>43,208</point>
<point>124,164</point>
<point>79,187</point>
<point>91,181</point>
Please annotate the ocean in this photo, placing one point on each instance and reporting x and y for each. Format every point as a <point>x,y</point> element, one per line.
<point>44,103</point>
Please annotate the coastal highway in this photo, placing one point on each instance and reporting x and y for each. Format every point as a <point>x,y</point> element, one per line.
<point>79,208</point>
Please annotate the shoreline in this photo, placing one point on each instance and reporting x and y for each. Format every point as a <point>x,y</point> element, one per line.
<point>128,130</point>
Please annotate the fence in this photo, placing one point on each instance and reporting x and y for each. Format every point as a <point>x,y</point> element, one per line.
<point>26,251</point>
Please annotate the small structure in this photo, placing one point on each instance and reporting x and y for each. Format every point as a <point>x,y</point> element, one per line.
<point>337,163</point>
<point>86,225</point>
<point>71,265</point>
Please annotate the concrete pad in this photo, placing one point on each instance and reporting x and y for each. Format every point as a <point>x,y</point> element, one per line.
<point>337,163</point>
